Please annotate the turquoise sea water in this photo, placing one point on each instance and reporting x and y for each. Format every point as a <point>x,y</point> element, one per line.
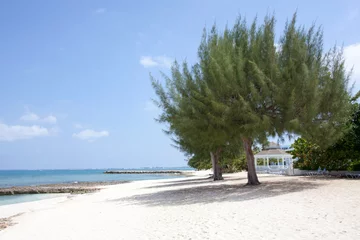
<point>11,178</point>
<point>12,199</point>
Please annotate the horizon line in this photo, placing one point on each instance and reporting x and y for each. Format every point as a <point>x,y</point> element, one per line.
<point>41,169</point>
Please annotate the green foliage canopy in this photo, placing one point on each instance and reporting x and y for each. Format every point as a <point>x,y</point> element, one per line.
<point>246,88</point>
<point>344,154</point>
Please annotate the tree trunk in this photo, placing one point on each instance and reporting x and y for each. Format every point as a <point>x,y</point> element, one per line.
<point>252,177</point>
<point>215,156</point>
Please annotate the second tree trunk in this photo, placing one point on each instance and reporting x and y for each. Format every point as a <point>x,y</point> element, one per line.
<point>252,176</point>
<point>215,157</point>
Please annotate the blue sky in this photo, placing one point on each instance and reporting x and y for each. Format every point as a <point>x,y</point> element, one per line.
<point>74,75</point>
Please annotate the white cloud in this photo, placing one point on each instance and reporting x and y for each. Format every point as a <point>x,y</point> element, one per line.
<point>90,135</point>
<point>32,117</point>
<point>158,61</point>
<point>148,61</point>
<point>352,61</point>
<point>100,10</point>
<point>49,119</point>
<point>17,132</point>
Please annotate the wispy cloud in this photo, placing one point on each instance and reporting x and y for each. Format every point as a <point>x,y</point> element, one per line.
<point>158,61</point>
<point>32,117</point>
<point>100,10</point>
<point>352,61</point>
<point>90,135</point>
<point>17,132</point>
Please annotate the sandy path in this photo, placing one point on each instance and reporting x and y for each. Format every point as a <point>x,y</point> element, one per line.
<point>280,208</point>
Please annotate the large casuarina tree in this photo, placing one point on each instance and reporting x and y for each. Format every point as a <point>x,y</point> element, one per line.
<point>247,87</point>
<point>195,121</point>
<point>271,89</point>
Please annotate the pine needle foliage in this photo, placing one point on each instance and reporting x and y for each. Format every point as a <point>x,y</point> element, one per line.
<point>247,87</point>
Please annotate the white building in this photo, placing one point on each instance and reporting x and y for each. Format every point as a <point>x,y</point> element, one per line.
<point>273,159</point>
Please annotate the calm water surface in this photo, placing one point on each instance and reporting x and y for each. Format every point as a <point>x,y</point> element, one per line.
<point>11,178</point>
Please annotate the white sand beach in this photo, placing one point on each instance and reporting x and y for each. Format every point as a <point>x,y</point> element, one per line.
<point>196,208</point>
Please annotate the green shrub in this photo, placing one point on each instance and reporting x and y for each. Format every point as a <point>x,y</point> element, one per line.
<point>355,166</point>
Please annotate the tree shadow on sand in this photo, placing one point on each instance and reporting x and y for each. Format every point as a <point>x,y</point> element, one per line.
<point>188,182</point>
<point>198,181</point>
<point>218,192</point>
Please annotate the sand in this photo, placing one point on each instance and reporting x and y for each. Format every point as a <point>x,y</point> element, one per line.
<point>196,208</point>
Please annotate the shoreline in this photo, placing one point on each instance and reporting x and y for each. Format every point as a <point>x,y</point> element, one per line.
<point>85,187</point>
<point>72,188</point>
<point>196,208</point>
<point>143,172</point>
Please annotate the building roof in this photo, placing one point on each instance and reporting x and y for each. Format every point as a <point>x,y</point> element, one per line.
<point>273,145</point>
<point>269,152</point>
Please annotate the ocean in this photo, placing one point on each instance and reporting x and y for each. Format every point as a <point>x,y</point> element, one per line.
<point>13,178</point>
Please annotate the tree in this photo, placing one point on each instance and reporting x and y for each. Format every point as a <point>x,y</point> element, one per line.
<point>199,162</point>
<point>244,88</point>
<point>195,120</point>
<point>266,92</point>
<point>232,160</point>
<point>342,155</point>
<point>308,154</point>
